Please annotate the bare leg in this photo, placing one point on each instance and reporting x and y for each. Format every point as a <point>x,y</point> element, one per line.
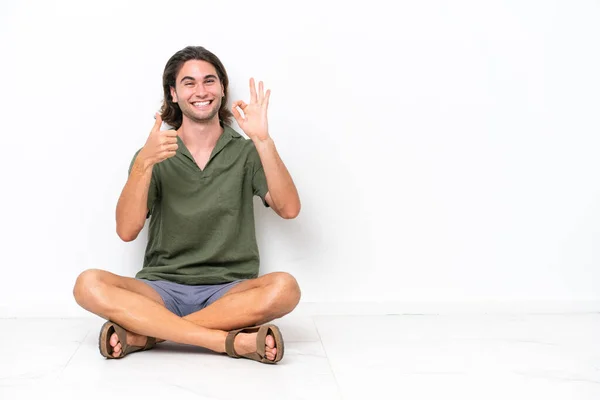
<point>138,308</point>
<point>252,302</point>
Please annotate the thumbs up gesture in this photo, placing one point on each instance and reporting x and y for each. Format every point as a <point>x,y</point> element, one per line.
<point>160,145</point>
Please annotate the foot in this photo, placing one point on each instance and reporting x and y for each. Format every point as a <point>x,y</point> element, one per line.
<point>246,343</point>
<point>133,339</point>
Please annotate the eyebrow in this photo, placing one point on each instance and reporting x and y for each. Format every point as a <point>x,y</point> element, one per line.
<point>193,79</point>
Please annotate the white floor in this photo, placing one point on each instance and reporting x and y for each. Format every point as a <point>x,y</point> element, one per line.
<point>327,357</point>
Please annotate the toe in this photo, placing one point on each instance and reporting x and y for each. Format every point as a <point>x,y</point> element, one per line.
<point>270,342</point>
<point>272,352</point>
<point>270,355</point>
<point>114,339</point>
<point>270,349</point>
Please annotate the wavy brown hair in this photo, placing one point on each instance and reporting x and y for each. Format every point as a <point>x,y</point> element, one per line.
<point>170,111</point>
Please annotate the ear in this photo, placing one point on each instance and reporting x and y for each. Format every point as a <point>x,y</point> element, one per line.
<point>173,94</point>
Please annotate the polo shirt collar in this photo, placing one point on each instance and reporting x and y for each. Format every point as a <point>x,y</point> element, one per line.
<point>227,136</point>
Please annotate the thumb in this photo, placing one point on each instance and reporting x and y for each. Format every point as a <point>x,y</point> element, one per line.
<point>158,123</point>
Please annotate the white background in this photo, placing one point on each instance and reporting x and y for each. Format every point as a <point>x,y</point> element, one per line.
<point>443,151</point>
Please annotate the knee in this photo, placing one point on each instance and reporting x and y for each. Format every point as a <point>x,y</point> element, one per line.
<point>87,286</point>
<point>285,291</point>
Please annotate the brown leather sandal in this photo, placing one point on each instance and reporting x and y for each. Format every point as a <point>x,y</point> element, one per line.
<point>106,349</point>
<point>259,355</point>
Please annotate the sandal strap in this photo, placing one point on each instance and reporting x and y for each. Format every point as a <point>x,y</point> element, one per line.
<point>229,347</point>
<point>150,342</point>
<point>127,348</point>
<point>122,335</point>
<point>261,339</point>
<point>229,341</point>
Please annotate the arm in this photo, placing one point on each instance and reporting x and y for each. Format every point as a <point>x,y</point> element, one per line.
<point>132,207</point>
<point>282,196</point>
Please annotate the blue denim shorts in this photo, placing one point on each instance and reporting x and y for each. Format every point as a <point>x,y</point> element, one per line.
<point>186,299</point>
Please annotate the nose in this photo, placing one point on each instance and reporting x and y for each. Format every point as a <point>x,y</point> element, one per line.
<point>200,90</point>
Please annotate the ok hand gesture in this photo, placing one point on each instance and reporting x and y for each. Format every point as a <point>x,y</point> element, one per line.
<point>254,119</point>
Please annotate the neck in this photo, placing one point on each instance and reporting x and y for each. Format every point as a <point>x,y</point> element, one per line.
<point>199,136</point>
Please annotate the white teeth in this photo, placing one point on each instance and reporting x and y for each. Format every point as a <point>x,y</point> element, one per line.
<point>201,103</point>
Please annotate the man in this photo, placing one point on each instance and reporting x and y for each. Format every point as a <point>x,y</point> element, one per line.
<point>199,284</point>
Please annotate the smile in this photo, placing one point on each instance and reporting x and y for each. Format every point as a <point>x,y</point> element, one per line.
<point>201,104</point>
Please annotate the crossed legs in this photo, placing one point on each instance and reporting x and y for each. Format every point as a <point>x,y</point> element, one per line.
<point>139,309</point>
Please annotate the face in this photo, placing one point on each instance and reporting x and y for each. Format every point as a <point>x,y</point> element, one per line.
<point>198,91</point>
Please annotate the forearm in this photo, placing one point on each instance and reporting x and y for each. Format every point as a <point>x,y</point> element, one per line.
<point>132,207</point>
<point>282,189</point>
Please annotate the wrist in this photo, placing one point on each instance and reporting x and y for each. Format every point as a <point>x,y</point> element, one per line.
<point>266,142</point>
<point>142,163</point>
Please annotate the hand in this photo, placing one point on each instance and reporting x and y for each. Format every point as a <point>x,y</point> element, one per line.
<point>254,122</point>
<point>160,144</point>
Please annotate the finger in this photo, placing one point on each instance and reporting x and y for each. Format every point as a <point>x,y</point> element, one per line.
<point>172,147</point>
<point>162,156</point>
<point>236,114</point>
<point>157,123</point>
<point>252,91</point>
<point>267,96</point>
<point>241,104</point>
<point>261,93</point>
<point>171,133</point>
<point>170,140</point>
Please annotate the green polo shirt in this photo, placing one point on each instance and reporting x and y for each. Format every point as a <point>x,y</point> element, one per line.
<point>201,228</point>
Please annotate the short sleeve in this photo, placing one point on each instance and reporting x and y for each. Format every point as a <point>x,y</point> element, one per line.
<point>152,190</point>
<point>259,180</point>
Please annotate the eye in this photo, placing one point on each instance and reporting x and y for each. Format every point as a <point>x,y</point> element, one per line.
<point>188,84</point>
<point>210,81</point>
